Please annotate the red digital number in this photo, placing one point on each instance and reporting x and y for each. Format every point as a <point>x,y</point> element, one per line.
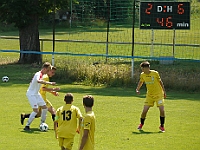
<point>160,21</point>
<point>180,10</point>
<point>165,22</point>
<point>147,11</point>
<point>169,23</point>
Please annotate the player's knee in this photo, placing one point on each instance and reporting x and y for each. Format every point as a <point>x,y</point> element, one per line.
<point>38,115</point>
<point>35,110</point>
<point>44,107</point>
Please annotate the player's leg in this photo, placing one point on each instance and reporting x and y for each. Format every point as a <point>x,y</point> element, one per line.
<point>53,112</point>
<point>60,141</point>
<point>39,112</point>
<point>42,104</point>
<point>162,118</point>
<point>62,148</point>
<point>23,116</point>
<point>149,102</point>
<point>160,104</point>
<point>33,102</point>
<point>43,114</point>
<point>51,109</point>
<point>31,118</point>
<point>143,116</point>
<point>68,143</point>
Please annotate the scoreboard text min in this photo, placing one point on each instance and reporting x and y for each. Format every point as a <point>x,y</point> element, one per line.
<point>165,15</point>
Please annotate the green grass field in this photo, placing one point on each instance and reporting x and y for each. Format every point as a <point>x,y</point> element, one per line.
<point>117,117</point>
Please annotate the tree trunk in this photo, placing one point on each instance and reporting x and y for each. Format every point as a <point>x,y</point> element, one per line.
<point>29,41</point>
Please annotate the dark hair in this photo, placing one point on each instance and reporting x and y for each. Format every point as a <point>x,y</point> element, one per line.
<point>53,68</point>
<point>46,65</point>
<point>145,64</point>
<point>68,98</point>
<point>88,100</point>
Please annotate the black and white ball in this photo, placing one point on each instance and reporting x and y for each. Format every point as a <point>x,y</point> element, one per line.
<point>44,127</point>
<point>5,79</point>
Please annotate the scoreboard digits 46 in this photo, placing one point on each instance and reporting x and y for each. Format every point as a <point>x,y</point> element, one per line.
<point>165,15</point>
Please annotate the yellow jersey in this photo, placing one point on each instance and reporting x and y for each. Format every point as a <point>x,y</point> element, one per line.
<point>67,117</point>
<point>152,81</point>
<point>45,77</point>
<point>89,124</point>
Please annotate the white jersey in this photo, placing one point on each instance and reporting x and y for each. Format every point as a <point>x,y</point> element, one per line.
<point>34,86</point>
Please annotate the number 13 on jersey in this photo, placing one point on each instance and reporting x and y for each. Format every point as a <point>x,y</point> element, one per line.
<point>67,115</point>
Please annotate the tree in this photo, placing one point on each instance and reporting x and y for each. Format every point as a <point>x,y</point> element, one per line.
<point>25,14</point>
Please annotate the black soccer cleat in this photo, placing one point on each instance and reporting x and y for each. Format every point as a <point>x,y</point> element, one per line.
<point>22,118</point>
<point>27,128</point>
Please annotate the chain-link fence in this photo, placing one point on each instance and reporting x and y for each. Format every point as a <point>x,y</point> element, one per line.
<point>113,26</point>
<point>112,29</point>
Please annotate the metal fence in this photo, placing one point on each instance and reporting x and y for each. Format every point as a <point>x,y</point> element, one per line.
<point>112,29</point>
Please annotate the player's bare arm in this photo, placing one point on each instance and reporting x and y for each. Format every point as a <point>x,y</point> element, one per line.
<point>55,129</point>
<point>46,82</point>
<point>138,87</point>
<point>51,90</point>
<point>162,85</point>
<point>84,139</point>
<point>79,125</point>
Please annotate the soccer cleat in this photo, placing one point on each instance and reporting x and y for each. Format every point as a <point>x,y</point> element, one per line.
<point>22,118</point>
<point>27,128</point>
<point>140,127</point>
<point>162,129</point>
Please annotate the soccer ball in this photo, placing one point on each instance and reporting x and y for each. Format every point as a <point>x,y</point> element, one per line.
<point>5,79</point>
<point>44,127</point>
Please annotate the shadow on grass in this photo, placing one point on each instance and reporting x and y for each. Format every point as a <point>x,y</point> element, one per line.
<point>34,131</point>
<point>145,132</point>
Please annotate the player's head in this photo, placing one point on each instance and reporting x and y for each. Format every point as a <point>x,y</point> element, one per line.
<point>68,98</point>
<point>52,71</point>
<point>145,66</point>
<point>46,67</point>
<point>88,101</point>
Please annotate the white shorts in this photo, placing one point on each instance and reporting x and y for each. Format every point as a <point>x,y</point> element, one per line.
<point>36,100</point>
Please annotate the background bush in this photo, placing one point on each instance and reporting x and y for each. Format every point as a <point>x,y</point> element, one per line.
<point>179,76</point>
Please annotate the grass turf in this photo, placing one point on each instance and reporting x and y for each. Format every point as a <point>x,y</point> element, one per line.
<point>117,117</point>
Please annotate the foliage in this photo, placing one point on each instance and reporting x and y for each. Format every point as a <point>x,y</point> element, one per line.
<point>175,77</point>
<point>19,11</point>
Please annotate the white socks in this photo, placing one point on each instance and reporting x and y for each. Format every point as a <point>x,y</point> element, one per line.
<point>43,115</point>
<point>31,118</point>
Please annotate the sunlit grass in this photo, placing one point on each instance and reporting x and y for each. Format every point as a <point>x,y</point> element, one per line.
<point>117,113</point>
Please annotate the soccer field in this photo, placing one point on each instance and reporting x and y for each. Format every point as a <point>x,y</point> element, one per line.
<point>117,113</point>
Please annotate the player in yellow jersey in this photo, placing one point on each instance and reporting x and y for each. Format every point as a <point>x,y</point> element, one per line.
<point>155,93</point>
<point>43,89</point>
<point>67,123</point>
<point>88,125</point>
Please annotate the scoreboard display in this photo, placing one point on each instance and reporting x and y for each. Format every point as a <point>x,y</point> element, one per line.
<point>165,15</point>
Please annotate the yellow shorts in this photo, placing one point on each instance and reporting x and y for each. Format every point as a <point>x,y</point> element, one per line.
<point>150,100</point>
<point>66,142</point>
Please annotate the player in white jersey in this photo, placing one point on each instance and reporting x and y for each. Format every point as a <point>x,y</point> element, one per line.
<point>34,97</point>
